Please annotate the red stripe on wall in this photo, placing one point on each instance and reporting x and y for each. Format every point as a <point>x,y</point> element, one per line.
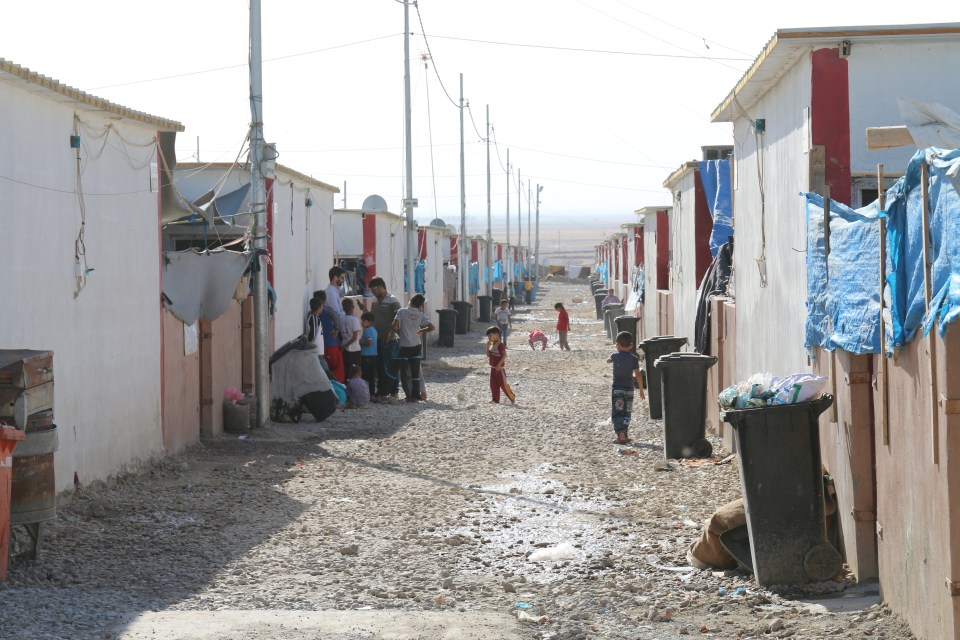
<point>370,244</point>
<point>269,187</point>
<point>421,244</point>
<point>454,258</point>
<point>830,118</point>
<point>474,251</point>
<point>638,246</point>
<point>702,228</point>
<point>623,260</point>
<point>663,249</point>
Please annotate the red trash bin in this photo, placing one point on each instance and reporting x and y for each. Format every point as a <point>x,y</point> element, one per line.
<point>8,440</point>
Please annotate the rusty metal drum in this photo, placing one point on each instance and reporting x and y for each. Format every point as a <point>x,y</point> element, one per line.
<point>34,493</point>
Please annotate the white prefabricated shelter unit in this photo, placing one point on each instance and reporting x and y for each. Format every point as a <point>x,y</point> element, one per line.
<point>812,93</point>
<point>82,266</point>
<point>656,250</point>
<point>376,236</point>
<point>633,232</point>
<point>299,222</point>
<point>690,228</point>
<point>431,241</point>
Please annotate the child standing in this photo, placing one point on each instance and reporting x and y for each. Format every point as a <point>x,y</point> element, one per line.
<point>626,369</point>
<point>368,350</point>
<point>502,317</point>
<point>563,325</point>
<point>351,336</point>
<point>497,355</point>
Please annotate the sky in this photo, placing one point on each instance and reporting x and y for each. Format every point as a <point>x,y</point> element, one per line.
<point>597,101</point>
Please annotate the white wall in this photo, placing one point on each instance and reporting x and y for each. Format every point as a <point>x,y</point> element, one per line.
<point>770,320</point>
<point>433,272</point>
<point>348,234</point>
<point>650,310</point>
<point>391,247</point>
<point>683,253</point>
<point>106,341</point>
<point>302,251</point>
<point>881,72</point>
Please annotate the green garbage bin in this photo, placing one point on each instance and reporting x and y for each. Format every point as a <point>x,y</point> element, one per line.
<point>610,314</point>
<point>628,324</point>
<point>484,303</point>
<point>598,300</point>
<point>654,348</point>
<point>448,325</point>
<point>497,297</point>
<point>463,315</point>
<point>782,481</point>
<point>683,380</point>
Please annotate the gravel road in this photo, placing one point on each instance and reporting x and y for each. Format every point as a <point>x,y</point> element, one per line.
<point>422,521</point>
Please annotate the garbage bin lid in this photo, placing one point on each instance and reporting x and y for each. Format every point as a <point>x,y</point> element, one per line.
<point>685,358</point>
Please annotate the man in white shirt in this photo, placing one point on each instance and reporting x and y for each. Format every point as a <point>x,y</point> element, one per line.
<point>410,324</point>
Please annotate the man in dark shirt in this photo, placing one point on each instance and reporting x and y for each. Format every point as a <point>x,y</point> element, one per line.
<point>385,307</point>
<point>626,369</point>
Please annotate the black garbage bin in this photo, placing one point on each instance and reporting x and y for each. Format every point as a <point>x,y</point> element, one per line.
<point>610,314</point>
<point>463,315</point>
<point>654,348</point>
<point>683,380</point>
<point>598,299</point>
<point>497,297</point>
<point>518,290</point>
<point>448,325</point>
<point>484,304</point>
<point>782,482</point>
<point>628,324</point>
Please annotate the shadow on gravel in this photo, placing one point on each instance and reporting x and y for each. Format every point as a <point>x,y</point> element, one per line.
<point>149,541</point>
<point>546,504</point>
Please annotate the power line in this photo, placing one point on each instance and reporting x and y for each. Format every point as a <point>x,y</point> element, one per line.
<point>584,50</point>
<point>416,6</point>
<point>237,66</point>
<point>678,28</point>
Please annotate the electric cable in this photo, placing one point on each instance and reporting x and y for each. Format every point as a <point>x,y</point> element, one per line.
<point>416,6</point>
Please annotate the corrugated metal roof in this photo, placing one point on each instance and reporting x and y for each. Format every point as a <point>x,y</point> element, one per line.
<point>16,74</point>
<point>246,167</point>
<point>787,45</point>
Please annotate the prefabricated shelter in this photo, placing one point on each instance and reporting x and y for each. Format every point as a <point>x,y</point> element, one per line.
<point>799,115</point>
<point>634,266</point>
<point>375,237</point>
<point>431,240</point>
<point>656,269</point>
<point>691,226</point>
<point>80,253</point>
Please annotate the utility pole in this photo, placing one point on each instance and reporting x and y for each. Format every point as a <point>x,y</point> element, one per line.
<point>519,224</point>
<point>408,200</point>
<point>258,197</point>
<point>464,256</point>
<point>488,266</point>
<point>536,244</point>
<point>507,271</point>
<point>529,235</point>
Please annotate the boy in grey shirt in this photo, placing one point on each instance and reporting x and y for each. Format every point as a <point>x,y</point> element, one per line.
<point>410,324</point>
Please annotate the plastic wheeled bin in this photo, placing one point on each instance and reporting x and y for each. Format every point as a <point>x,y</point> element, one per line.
<point>484,303</point>
<point>628,324</point>
<point>463,315</point>
<point>598,299</point>
<point>518,290</point>
<point>448,325</point>
<point>654,348</point>
<point>497,296</point>
<point>610,314</point>
<point>9,437</point>
<point>683,379</point>
<point>782,482</point>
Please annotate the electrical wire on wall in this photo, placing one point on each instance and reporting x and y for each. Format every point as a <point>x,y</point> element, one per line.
<point>761,260</point>
<point>80,266</point>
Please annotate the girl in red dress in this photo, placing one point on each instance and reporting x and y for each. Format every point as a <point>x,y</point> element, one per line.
<point>497,355</point>
<point>563,325</point>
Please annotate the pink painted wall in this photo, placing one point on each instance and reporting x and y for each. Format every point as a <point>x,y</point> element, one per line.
<point>181,391</point>
<point>221,366</point>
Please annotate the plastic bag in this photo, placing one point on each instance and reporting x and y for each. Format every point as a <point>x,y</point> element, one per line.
<point>232,394</point>
<point>563,551</point>
<point>800,387</point>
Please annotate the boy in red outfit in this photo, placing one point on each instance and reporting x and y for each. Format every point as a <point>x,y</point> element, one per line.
<point>497,355</point>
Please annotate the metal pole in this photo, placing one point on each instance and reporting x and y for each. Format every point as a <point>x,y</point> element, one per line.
<point>536,244</point>
<point>464,256</point>
<point>519,223</point>
<point>507,272</point>
<point>488,263</point>
<point>529,235</point>
<point>408,143</point>
<point>258,197</point>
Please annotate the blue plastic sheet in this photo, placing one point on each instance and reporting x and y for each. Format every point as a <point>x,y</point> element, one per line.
<point>905,246</point>
<point>843,291</point>
<point>474,277</point>
<point>715,177</point>
<point>419,277</point>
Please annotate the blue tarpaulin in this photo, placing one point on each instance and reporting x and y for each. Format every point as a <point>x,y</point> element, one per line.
<point>473,276</point>
<point>843,306</point>
<point>715,177</point>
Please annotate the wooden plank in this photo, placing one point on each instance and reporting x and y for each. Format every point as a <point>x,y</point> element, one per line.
<point>884,371</point>
<point>927,291</point>
<point>889,137</point>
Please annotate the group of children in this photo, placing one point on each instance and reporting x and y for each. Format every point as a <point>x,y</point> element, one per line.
<point>627,374</point>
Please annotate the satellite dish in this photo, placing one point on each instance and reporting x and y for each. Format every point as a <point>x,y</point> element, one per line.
<point>438,222</point>
<point>452,230</point>
<point>374,203</point>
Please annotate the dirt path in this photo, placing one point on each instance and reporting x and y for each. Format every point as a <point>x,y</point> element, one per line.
<point>418,521</point>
